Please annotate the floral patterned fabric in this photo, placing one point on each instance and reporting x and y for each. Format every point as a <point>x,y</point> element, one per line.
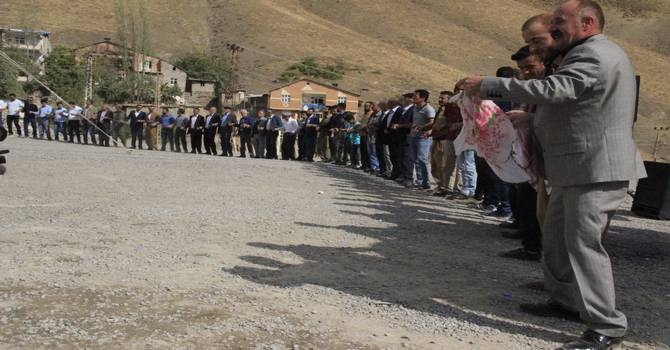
<point>488,131</point>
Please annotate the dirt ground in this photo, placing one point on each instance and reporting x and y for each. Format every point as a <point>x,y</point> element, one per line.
<point>105,248</point>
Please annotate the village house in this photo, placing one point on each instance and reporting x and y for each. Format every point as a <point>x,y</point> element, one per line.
<point>34,44</point>
<point>194,90</point>
<point>305,93</point>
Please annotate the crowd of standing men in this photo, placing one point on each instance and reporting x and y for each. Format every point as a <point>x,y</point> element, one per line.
<point>573,88</point>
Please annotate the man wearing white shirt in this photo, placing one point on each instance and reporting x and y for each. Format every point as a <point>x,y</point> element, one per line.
<point>61,115</point>
<point>290,129</point>
<point>211,124</point>
<point>30,112</point>
<point>45,112</point>
<point>74,122</point>
<point>14,108</point>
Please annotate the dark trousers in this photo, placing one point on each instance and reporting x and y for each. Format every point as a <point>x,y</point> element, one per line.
<point>288,146</point>
<point>180,139</point>
<point>526,211</point>
<point>395,150</point>
<point>210,146</point>
<point>89,128</point>
<point>246,145</point>
<point>271,144</point>
<point>33,124</point>
<point>59,128</point>
<point>341,154</point>
<point>137,136</point>
<point>485,186</point>
<point>74,128</point>
<point>365,157</point>
<point>106,127</point>
<point>196,141</point>
<point>309,141</point>
<point>353,153</point>
<point>379,149</point>
<point>167,135</point>
<point>226,144</point>
<point>301,145</point>
<point>332,145</point>
<point>13,120</point>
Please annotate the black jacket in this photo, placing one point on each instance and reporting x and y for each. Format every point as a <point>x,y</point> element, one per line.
<point>134,117</point>
<point>199,123</point>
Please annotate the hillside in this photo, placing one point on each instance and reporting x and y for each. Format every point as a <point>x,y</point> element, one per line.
<point>386,47</point>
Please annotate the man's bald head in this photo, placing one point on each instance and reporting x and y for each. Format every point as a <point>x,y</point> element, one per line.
<point>576,20</point>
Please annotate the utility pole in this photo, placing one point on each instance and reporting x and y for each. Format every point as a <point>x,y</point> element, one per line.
<point>88,92</point>
<point>658,130</point>
<point>235,50</point>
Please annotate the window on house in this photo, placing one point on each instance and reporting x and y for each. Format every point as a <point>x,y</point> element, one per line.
<point>20,40</point>
<point>341,100</point>
<point>316,100</point>
<point>202,84</point>
<point>285,98</point>
<point>173,81</point>
<point>147,65</point>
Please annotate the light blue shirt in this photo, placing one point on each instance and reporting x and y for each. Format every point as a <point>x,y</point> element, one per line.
<point>61,114</point>
<point>45,111</point>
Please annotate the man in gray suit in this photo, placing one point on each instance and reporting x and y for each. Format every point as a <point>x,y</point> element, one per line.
<point>584,122</point>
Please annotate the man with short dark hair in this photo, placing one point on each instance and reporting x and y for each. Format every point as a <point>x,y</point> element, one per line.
<point>584,122</point>
<point>246,124</point>
<point>61,114</point>
<point>447,126</point>
<point>338,135</point>
<point>45,112</point>
<point>181,125</point>
<point>196,125</point>
<point>211,123</point>
<point>105,125</point>
<point>322,148</point>
<point>258,134</point>
<point>272,126</point>
<point>310,130</point>
<point>137,119</point>
<point>89,122</point>
<point>167,122</point>
<point>399,141</point>
<point>422,123</point>
<point>30,113</point>
<point>119,126</point>
<point>14,109</point>
<point>75,115</point>
<point>226,128</point>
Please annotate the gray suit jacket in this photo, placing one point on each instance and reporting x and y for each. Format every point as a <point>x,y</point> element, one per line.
<point>584,119</point>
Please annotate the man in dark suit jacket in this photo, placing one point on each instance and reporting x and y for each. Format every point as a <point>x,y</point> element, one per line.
<point>401,124</point>
<point>384,138</point>
<point>226,128</point>
<point>136,119</point>
<point>271,133</point>
<point>196,125</point>
<point>211,124</point>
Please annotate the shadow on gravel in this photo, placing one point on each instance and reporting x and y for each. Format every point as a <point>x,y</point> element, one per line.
<point>445,262</point>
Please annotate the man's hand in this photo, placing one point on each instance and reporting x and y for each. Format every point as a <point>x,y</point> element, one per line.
<point>470,85</point>
<point>518,117</point>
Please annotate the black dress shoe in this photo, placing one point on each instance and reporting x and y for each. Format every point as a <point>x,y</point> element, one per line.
<point>522,254</point>
<point>513,225</point>
<point>537,286</point>
<point>592,340</point>
<point>514,235</point>
<point>550,309</point>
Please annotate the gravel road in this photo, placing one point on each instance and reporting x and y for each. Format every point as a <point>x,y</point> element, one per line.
<point>106,248</point>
